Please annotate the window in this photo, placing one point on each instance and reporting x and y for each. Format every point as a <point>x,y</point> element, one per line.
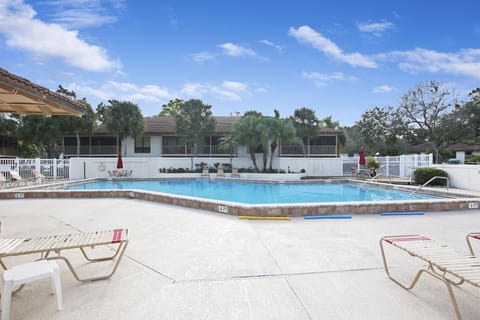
<point>142,145</point>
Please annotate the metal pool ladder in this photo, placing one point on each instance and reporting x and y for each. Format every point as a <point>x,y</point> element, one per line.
<point>434,178</point>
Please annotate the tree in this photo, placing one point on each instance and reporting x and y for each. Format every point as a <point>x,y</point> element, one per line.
<point>228,143</point>
<point>7,126</point>
<point>280,131</point>
<point>194,122</point>
<point>248,132</point>
<point>171,108</point>
<point>123,118</point>
<point>77,125</point>
<point>422,108</point>
<point>341,137</point>
<point>467,118</point>
<point>42,131</point>
<point>306,125</point>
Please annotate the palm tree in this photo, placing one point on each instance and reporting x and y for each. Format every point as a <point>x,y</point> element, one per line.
<point>123,118</point>
<point>229,144</point>
<point>341,137</point>
<point>306,124</point>
<point>194,122</point>
<point>281,130</point>
<point>248,132</point>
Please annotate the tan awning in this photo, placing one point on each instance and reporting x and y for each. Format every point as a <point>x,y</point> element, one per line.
<point>18,95</point>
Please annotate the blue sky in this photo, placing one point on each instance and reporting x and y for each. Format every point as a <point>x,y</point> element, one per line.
<point>338,58</point>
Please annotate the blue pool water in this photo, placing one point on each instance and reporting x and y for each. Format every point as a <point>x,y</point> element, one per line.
<point>259,193</point>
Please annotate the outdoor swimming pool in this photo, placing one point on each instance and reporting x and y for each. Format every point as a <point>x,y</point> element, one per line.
<point>259,193</point>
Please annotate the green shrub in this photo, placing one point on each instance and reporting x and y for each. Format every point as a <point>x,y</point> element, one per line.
<point>422,175</point>
<point>473,159</point>
<point>372,163</point>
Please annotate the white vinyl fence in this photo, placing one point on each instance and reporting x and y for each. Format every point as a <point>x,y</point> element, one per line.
<point>50,168</point>
<point>398,166</point>
<point>391,166</point>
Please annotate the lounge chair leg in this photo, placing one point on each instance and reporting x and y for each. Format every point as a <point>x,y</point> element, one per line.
<point>450,292</point>
<point>120,252</point>
<point>100,259</point>
<point>429,271</point>
<point>470,247</point>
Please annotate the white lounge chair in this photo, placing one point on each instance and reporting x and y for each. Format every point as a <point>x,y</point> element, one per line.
<point>38,177</point>
<point>451,266</point>
<point>235,173</point>
<point>220,171</point>
<point>56,244</point>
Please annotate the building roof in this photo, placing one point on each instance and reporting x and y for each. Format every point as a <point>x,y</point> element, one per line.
<point>165,125</point>
<point>19,95</point>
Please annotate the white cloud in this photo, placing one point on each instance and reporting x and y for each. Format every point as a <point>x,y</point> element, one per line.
<point>84,13</point>
<point>223,94</point>
<point>305,34</point>
<point>375,28</point>
<point>231,49</point>
<point>383,89</point>
<point>203,56</point>
<point>273,45</point>
<point>123,91</point>
<point>24,32</point>
<point>234,86</point>
<point>465,62</point>
<point>194,90</point>
<point>321,80</point>
<point>226,90</point>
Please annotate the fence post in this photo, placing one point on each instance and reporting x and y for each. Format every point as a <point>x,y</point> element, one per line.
<point>402,166</point>
<point>37,164</point>
<point>55,168</point>
<point>387,166</point>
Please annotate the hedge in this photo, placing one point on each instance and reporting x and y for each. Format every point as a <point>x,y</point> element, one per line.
<point>422,175</point>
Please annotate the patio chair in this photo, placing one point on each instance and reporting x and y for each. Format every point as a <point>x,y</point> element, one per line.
<point>472,236</point>
<point>451,266</point>
<point>235,173</point>
<point>56,244</point>
<point>16,179</point>
<point>38,177</point>
<point>220,171</point>
<point>205,172</point>
<point>4,183</point>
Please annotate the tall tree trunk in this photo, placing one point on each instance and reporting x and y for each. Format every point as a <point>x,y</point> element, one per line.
<point>265,157</point>
<point>252,157</point>
<point>273,147</point>
<point>77,134</point>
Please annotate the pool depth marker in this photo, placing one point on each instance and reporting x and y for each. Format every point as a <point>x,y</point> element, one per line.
<point>263,218</point>
<point>406,213</point>
<point>333,216</point>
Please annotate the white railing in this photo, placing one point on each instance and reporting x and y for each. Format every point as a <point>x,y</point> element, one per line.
<point>391,166</point>
<point>50,168</point>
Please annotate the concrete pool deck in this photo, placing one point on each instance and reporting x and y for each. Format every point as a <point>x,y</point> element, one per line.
<point>184,263</point>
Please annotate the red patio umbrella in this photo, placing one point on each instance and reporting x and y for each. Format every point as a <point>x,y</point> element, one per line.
<point>361,159</point>
<point>119,161</point>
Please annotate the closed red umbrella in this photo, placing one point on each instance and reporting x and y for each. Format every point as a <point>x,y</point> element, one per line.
<point>361,159</point>
<point>119,161</point>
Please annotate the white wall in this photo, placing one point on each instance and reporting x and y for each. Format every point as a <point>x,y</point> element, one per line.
<point>462,176</point>
<point>87,168</point>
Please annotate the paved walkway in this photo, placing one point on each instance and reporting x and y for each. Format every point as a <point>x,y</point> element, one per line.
<point>184,263</point>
